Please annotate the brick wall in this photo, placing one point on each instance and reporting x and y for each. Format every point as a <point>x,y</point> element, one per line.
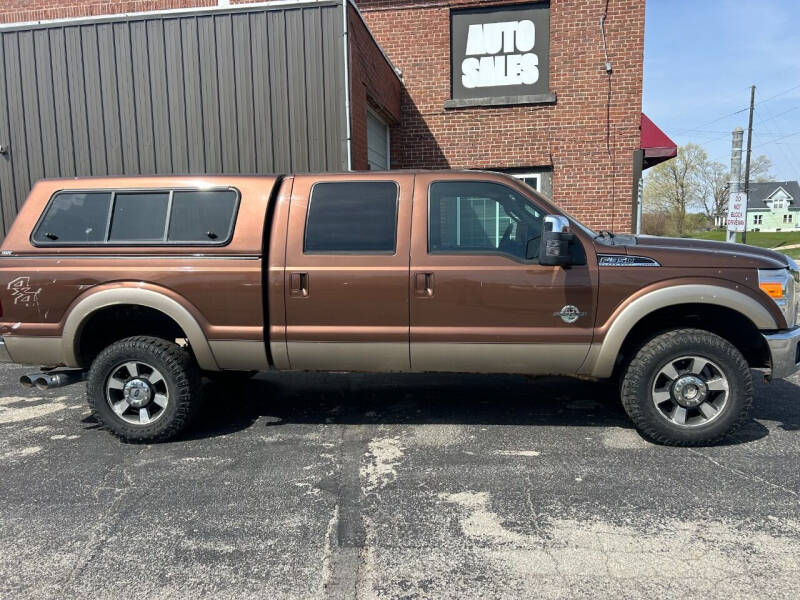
<point>588,142</point>
<point>41,10</point>
<point>372,83</point>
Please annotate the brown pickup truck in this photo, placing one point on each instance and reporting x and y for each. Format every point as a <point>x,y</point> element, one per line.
<point>142,285</point>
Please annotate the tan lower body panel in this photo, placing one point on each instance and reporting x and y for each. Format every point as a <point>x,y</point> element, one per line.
<point>280,357</point>
<point>528,359</point>
<point>30,350</point>
<point>379,357</point>
<point>240,355</point>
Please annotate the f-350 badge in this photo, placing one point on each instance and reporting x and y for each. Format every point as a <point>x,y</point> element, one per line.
<point>570,314</point>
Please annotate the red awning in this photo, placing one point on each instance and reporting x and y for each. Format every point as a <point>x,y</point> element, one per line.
<point>656,144</point>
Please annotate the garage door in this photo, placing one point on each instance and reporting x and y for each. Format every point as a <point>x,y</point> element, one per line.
<point>377,142</point>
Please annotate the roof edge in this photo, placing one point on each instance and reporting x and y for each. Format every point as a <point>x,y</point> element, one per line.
<point>167,12</point>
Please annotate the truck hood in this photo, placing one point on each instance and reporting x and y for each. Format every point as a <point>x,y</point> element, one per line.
<point>688,253</point>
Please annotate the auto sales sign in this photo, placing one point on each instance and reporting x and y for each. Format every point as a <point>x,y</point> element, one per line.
<point>501,51</point>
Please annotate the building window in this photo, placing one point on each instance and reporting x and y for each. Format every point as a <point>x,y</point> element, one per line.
<point>539,178</point>
<point>352,217</point>
<point>777,204</point>
<point>532,179</point>
<point>476,217</point>
<point>787,218</point>
<point>758,219</point>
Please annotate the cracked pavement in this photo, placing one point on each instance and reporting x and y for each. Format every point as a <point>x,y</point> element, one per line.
<point>386,486</point>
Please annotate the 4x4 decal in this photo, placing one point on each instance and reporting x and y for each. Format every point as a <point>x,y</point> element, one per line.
<point>22,291</point>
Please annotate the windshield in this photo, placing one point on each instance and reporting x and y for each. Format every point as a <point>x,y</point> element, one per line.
<point>591,233</point>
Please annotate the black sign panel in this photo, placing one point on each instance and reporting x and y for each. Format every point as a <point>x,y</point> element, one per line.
<point>500,51</point>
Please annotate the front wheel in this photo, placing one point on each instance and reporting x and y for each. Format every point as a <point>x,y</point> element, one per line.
<point>144,389</point>
<point>687,387</point>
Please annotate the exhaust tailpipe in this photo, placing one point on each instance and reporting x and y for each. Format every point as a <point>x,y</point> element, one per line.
<point>53,379</point>
<point>27,380</point>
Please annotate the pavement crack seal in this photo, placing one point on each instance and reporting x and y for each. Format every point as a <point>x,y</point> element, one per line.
<point>108,519</point>
<point>346,537</point>
<point>749,476</point>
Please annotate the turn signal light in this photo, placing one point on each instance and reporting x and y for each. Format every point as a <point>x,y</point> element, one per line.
<point>773,290</point>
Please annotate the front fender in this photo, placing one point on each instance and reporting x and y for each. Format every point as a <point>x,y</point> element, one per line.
<point>602,357</point>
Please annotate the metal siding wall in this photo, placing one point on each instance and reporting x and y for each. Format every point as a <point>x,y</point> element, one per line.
<point>238,91</point>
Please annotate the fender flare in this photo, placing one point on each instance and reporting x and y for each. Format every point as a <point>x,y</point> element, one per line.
<point>86,307</point>
<point>602,357</point>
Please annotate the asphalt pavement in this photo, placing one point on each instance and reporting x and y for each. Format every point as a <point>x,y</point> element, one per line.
<point>388,486</point>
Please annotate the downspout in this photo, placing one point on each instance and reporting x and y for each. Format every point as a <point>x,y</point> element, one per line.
<point>348,138</point>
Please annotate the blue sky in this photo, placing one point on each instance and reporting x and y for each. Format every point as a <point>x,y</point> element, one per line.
<point>700,58</point>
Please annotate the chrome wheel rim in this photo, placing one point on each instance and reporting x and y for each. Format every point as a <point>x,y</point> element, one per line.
<point>690,391</point>
<point>137,392</point>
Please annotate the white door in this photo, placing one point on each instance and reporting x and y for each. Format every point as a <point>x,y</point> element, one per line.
<point>377,142</point>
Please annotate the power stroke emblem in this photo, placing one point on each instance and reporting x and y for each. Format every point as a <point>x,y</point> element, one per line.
<point>570,313</point>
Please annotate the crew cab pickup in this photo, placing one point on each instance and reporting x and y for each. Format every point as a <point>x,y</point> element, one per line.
<point>143,285</point>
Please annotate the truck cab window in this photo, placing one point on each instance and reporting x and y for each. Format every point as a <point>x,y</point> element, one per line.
<point>74,217</point>
<point>477,217</point>
<point>352,217</point>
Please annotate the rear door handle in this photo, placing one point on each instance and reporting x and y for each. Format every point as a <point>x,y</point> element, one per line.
<point>298,284</point>
<point>423,284</point>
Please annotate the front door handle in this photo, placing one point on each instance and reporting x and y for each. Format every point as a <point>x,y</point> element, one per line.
<point>298,285</point>
<point>423,284</point>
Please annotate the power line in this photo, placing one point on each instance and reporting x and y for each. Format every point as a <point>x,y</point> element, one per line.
<point>736,112</point>
<point>788,155</point>
<point>779,94</point>
<point>773,140</point>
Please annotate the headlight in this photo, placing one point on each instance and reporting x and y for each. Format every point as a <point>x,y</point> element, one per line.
<point>782,286</point>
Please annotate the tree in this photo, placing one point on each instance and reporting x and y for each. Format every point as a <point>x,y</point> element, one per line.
<point>759,169</point>
<point>677,186</point>
<point>715,179</point>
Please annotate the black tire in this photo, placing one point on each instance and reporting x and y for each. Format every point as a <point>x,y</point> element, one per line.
<point>640,388</point>
<point>181,378</point>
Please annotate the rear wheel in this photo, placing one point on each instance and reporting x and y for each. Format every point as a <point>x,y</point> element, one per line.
<point>144,389</point>
<point>687,387</point>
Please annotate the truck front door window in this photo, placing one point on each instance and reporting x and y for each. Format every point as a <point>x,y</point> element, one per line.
<point>475,217</point>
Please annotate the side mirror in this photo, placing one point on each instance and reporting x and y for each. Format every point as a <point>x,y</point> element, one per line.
<point>554,249</point>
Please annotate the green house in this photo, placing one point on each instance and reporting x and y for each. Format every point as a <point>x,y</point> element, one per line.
<point>774,206</point>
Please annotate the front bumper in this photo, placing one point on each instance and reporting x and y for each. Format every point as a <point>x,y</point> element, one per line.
<point>784,349</point>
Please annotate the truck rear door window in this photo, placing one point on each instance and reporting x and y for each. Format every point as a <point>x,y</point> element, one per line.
<point>352,217</point>
<point>139,217</point>
<point>202,216</point>
<point>75,217</point>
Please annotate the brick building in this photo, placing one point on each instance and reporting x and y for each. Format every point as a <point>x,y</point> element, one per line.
<point>549,91</point>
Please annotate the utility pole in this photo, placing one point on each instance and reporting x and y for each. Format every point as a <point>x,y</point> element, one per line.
<point>747,160</point>
<point>736,174</point>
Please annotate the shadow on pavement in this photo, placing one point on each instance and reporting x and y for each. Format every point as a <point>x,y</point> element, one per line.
<point>321,398</point>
